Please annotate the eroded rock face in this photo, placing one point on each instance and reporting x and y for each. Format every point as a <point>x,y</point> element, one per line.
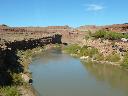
<point>8,57</point>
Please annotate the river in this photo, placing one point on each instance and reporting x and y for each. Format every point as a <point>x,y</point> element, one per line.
<point>57,74</point>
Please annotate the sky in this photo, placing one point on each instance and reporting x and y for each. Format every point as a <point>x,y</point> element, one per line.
<point>63,12</point>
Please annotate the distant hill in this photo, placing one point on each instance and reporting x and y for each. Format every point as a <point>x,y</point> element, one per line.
<point>66,29</point>
<point>114,28</point>
<point>3,26</point>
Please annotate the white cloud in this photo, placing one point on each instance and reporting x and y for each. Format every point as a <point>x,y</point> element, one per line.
<point>94,7</point>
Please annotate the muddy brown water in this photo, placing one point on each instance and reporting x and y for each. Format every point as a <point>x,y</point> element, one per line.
<point>57,74</point>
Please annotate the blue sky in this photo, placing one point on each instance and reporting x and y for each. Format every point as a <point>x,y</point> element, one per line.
<point>63,12</point>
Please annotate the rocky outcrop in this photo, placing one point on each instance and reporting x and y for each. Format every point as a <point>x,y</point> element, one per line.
<point>32,43</point>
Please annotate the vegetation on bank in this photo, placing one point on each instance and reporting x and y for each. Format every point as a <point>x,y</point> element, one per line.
<point>81,51</point>
<point>114,57</point>
<point>92,53</point>
<point>9,91</point>
<point>109,35</point>
<point>25,57</point>
<point>125,61</point>
<point>113,36</point>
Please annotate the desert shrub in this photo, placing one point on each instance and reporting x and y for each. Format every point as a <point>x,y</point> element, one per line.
<point>125,61</point>
<point>17,79</point>
<point>90,52</point>
<point>81,51</point>
<point>125,36</point>
<point>99,34</point>
<point>87,37</point>
<point>109,35</point>
<point>87,51</point>
<point>113,35</point>
<point>114,57</point>
<point>99,57</point>
<point>73,49</point>
<point>9,91</point>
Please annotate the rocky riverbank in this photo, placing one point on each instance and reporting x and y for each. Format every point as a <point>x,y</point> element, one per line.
<point>92,53</point>
<point>25,58</point>
<point>103,47</point>
<point>15,57</point>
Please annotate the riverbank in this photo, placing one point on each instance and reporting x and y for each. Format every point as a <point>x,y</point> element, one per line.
<point>58,74</point>
<point>25,58</point>
<point>22,80</point>
<point>93,54</point>
<point>15,57</point>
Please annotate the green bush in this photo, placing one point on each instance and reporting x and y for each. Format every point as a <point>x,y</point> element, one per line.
<point>81,51</point>
<point>99,34</point>
<point>17,79</point>
<point>109,35</point>
<point>88,51</point>
<point>87,37</point>
<point>113,35</point>
<point>9,91</point>
<point>99,57</point>
<point>73,49</point>
<point>125,61</point>
<point>114,57</point>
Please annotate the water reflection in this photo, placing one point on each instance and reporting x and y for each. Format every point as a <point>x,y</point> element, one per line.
<point>115,77</point>
<point>58,74</point>
<point>49,55</point>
